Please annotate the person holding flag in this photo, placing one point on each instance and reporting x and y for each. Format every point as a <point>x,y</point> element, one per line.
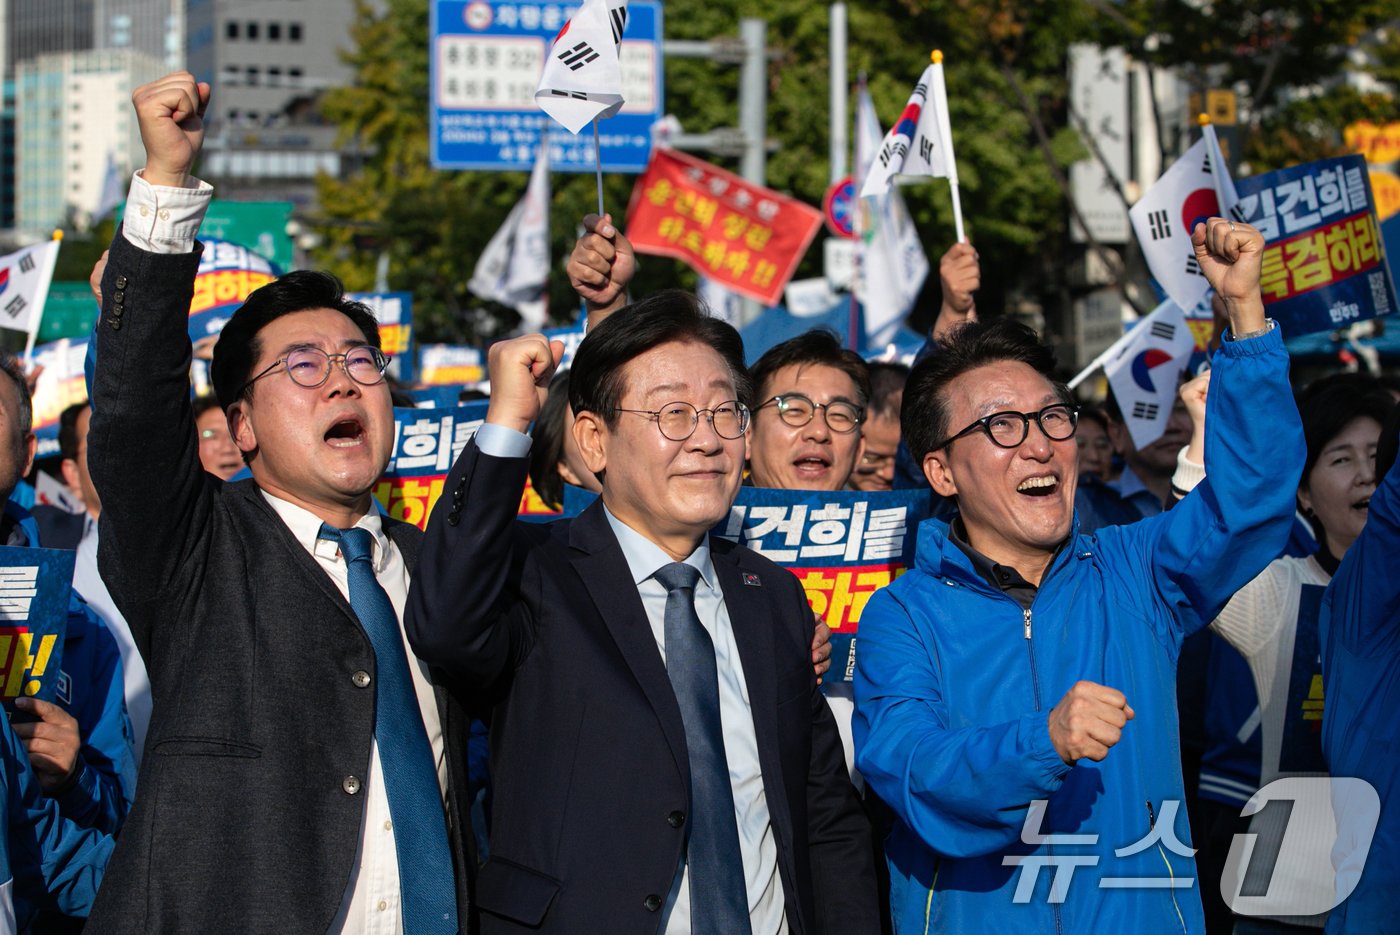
<point>1014,691</point>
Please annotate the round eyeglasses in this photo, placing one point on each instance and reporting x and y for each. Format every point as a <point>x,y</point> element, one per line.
<point>677,421</point>
<point>797,410</point>
<point>311,367</point>
<point>1009,429</point>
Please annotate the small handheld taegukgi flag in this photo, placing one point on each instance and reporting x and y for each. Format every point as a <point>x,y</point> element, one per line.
<point>582,77</point>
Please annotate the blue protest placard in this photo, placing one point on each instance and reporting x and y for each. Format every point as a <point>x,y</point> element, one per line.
<point>843,545</point>
<point>485,60</point>
<point>394,312</point>
<point>426,444</point>
<point>35,585</point>
<point>1324,265</point>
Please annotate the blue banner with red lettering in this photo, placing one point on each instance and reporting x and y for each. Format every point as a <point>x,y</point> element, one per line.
<point>1324,265</point>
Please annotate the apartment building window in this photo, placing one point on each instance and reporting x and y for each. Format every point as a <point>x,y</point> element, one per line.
<point>274,32</point>
<point>274,76</point>
<point>294,77</point>
<point>251,74</point>
<point>252,30</point>
<point>294,32</point>
<point>231,30</point>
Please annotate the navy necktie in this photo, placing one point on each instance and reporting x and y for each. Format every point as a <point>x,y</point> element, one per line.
<point>427,887</point>
<point>718,898</point>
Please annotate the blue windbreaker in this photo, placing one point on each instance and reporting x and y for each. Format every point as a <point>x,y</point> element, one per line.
<point>1359,628</point>
<point>954,684</point>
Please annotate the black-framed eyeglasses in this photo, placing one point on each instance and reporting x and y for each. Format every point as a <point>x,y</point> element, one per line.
<point>1009,429</point>
<point>677,421</point>
<point>311,367</point>
<point>797,410</point>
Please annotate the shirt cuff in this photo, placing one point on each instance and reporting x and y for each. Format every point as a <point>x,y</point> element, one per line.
<point>1188,474</point>
<point>162,219</point>
<point>498,441</point>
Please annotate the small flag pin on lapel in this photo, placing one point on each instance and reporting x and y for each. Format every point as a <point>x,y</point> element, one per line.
<point>752,580</point>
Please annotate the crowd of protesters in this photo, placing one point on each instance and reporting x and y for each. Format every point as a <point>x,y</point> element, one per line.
<point>283,710</point>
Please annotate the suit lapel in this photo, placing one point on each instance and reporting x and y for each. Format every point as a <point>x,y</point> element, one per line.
<point>603,569</point>
<point>753,617</point>
<point>248,491</point>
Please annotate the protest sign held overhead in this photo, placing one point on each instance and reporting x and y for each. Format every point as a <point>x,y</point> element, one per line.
<point>744,237</point>
<point>582,76</point>
<point>1324,264</point>
<point>394,313</point>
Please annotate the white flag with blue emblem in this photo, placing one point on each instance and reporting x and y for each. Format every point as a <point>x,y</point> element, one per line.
<point>582,77</point>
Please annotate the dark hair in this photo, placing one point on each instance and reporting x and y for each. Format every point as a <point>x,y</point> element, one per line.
<point>1328,409</point>
<point>817,347</point>
<point>203,402</point>
<point>547,446</point>
<point>887,381</point>
<point>15,371</point>
<point>68,430</point>
<point>924,416</point>
<point>1094,414</point>
<point>596,382</point>
<point>238,348</point>
<point>1386,448</point>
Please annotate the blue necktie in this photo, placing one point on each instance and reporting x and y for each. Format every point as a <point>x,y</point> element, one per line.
<point>719,903</point>
<point>427,887</point>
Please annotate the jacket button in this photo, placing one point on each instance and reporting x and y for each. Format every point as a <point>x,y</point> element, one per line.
<point>121,282</point>
<point>118,310</point>
<point>119,296</point>
<point>350,784</point>
<point>652,902</point>
<point>361,679</point>
<point>675,819</point>
<point>116,324</point>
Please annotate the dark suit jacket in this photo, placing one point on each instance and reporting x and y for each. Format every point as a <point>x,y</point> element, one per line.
<point>588,756</point>
<point>244,821</point>
<point>58,529</point>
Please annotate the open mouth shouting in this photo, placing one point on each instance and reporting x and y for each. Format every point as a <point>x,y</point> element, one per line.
<point>348,432</point>
<point>812,465</point>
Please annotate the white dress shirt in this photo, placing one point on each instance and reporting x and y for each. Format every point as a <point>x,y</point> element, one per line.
<point>371,903</point>
<point>756,847</point>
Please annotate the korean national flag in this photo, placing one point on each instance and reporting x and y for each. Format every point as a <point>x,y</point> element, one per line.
<point>24,285</point>
<point>1164,218</point>
<point>582,78</point>
<point>1145,371</point>
<point>920,142</point>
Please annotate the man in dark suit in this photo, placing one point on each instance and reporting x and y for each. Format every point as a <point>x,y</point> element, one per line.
<point>662,759</point>
<point>297,759</point>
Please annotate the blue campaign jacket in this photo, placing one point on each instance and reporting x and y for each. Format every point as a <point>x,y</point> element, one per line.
<point>952,696</point>
<point>1359,629</point>
<point>91,689</point>
<point>51,861</point>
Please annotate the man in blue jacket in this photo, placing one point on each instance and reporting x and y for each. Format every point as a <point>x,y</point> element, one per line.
<point>998,681</point>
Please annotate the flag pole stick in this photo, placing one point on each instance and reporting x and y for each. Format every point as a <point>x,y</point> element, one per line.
<point>945,130</point>
<point>598,165</point>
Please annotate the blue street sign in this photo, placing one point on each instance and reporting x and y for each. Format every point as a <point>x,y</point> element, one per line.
<point>485,60</point>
